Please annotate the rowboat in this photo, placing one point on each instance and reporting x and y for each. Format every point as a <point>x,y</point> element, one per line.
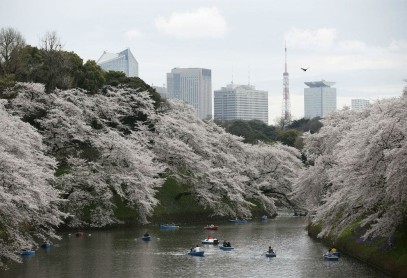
<point>168,227</point>
<point>46,245</point>
<point>27,252</point>
<point>210,241</point>
<point>263,218</point>
<point>211,228</point>
<point>331,258</point>
<point>226,248</point>
<point>79,234</point>
<point>338,254</point>
<point>198,253</point>
<point>271,254</point>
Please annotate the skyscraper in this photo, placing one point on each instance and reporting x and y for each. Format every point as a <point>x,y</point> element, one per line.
<point>241,102</point>
<point>359,104</point>
<point>194,86</point>
<point>123,61</point>
<point>319,99</point>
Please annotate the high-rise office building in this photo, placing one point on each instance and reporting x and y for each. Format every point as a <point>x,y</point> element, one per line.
<point>241,102</point>
<point>123,61</point>
<point>359,104</point>
<point>319,99</point>
<point>194,86</point>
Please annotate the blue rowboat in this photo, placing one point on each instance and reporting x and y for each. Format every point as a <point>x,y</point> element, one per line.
<point>271,255</point>
<point>263,218</point>
<point>168,227</point>
<point>146,238</point>
<point>46,245</point>
<point>198,254</point>
<point>25,252</point>
<point>331,258</point>
<point>226,248</point>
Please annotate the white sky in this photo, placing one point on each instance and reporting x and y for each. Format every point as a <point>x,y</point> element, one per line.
<point>359,44</point>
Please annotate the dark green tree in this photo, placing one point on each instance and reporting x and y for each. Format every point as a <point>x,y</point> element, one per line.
<point>288,137</point>
<point>312,125</point>
<point>92,78</point>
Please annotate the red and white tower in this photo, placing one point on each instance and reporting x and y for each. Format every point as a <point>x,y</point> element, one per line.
<point>286,110</point>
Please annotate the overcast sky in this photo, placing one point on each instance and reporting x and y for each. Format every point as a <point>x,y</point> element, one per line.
<point>359,44</point>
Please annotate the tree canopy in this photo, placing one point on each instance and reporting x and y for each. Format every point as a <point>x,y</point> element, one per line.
<point>359,170</point>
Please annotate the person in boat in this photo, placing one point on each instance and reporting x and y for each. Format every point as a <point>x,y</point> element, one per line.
<point>211,225</point>
<point>146,234</point>
<point>196,249</point>
<point>225,244</point>
<point>328,253</point>
<point>228,244</point>
<point>270,250</point>
<point>333,249</point>
<point>210,237</point>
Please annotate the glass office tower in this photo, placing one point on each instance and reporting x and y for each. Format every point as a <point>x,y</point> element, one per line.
<point>319,99</point>
<point>123,61</point>
<point>194,86</point>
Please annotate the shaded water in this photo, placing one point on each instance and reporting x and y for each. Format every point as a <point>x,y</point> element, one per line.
<point>122,253</point>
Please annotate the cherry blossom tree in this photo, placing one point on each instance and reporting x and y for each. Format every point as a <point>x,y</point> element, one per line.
<point>358,176</point>
<point>117,144</point>
<point>224,174</point>
<point>101,144</point>
<point>28,209</point>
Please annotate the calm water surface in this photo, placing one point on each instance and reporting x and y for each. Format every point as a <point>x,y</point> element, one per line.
<point>122,253</point>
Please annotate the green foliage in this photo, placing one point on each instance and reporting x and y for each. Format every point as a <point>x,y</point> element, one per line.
<point>312,125</point>
<point>252,131</point>
<point>172,208</point>
<point>29,65</point>
<point>92,78</point>
<point>6,81</point>
<point>288,137</point>
<point>124,212</point>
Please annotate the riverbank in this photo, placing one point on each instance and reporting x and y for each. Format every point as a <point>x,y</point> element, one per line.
<point>389,258</point>
<point>176,205</point>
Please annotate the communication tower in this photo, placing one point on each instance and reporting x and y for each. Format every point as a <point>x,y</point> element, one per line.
<point>286,109</point>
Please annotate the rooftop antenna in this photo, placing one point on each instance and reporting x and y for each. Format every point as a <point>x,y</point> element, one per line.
<point>248,73</point>
<point>286,110</point>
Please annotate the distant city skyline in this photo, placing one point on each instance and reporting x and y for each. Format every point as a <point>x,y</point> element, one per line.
<point>361,44</point>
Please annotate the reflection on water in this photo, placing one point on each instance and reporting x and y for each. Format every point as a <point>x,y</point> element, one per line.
<point>122,253</point>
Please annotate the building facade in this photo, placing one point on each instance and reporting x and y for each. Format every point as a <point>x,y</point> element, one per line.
<point>194,86</point>
<point>359,104</point>
<point>241,102</point>
<point>319,99</point>
<point>123,61</point>
<point>161,90</point>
